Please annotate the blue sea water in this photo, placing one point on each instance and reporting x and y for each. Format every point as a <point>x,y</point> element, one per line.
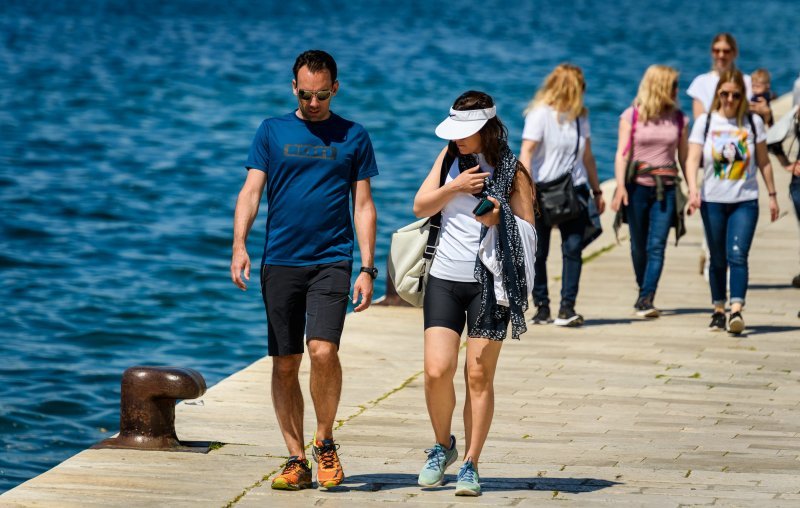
<point>124,126</point>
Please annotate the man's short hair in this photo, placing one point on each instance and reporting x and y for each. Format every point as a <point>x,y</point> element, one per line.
<point>316,60</point>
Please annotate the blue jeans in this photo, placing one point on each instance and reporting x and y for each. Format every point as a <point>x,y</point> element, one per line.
<point>649,221</point>
<point>571,249</point>
<point>794,191</point>
<point>729,228</point>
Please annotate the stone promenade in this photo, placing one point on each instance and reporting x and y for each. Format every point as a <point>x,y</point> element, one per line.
<point>622,412</point>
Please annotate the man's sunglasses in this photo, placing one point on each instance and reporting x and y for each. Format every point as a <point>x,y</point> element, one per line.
<point>306,95</point>
<point>725,94</point>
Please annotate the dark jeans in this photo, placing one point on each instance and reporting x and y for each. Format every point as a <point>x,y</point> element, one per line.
<point>729,228</point>
<point>794,191</point>
<point>649,221</point>
<point>571,248</point>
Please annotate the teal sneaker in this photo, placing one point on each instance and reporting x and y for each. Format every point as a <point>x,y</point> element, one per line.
<point>469,483</point>
<point>439,457</point>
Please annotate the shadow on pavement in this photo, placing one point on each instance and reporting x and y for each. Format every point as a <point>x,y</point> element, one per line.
<point>762,329</point>
<point>635,319</point>
<point>380,482</point>
<point>771,286</point>
<point>689,310</point>
<point>618,321</point>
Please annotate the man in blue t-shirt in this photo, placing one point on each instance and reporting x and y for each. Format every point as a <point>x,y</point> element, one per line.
<point>310,162</point>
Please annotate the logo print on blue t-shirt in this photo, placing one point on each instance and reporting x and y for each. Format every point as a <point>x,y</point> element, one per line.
<point>310,151</point>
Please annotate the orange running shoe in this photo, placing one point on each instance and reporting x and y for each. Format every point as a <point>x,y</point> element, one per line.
<point>296,475</point>
<point>329,469</point>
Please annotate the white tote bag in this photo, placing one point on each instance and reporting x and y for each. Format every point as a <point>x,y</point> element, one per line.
<point>408,262</point>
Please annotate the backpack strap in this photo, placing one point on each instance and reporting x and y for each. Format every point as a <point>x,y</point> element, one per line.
<point>577,143</point>
<point>705,135</point>
<point>705,130</point>
<point>436,220</point>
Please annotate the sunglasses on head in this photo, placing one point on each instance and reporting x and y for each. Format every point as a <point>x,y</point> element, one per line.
<point>306,95</point>
<point>725,94</point>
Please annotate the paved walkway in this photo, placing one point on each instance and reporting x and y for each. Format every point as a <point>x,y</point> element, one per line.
<point>622,412</point>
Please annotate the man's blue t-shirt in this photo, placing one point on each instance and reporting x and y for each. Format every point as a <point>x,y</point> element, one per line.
<point>310,169</point>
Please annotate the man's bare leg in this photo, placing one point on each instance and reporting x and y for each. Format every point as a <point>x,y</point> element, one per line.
<point>326,384</point>
<point>287,399</point>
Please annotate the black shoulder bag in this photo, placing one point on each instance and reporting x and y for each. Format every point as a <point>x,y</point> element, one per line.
<point>557,198</point>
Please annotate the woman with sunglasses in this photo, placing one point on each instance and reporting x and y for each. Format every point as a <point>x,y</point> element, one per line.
<point>556,142</point>
<point>724,51</point>
<point>651,131</point>
<point>480,174</point>
<point>729,143</point>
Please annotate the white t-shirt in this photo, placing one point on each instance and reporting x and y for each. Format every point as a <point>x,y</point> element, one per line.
<point>703,86</point>
<point>729,157</point>
<point>555,150</point>
<point>460,234</point>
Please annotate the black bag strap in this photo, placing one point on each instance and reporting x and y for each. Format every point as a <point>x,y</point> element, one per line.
<point>577,144</point>
<point>436,220</point>
<point>705,136</point>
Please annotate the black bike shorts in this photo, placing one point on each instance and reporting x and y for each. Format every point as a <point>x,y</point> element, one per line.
<point>304,303</point>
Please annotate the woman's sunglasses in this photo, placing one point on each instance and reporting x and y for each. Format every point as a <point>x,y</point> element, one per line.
<point>725,94</point>
<point>306,95</point>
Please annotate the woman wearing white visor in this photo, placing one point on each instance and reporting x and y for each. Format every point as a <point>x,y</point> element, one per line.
<point>478,277</point>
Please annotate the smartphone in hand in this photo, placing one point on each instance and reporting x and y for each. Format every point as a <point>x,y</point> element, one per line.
<point>484,206</point>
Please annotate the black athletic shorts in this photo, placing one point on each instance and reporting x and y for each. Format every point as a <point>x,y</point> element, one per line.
<point>454,304</point>
<point>304,300</point>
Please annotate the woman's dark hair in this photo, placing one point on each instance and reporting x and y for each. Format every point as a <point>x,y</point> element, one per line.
<point>316,60</point>
<point>494,134</point>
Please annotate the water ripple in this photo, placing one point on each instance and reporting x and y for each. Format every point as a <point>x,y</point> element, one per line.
<point>124,126</point>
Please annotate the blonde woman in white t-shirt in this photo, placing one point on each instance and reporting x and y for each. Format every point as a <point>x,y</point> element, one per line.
<point>556,140</point>
<point>724,51</point>
<point>730,143</point>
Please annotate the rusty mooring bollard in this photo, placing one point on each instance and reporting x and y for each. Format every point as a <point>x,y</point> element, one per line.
<point>147,407</point>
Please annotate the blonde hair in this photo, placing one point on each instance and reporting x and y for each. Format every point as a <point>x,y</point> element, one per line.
<point>655,96</point>
<point>735,77</point>
<point>761,75</point>
<point>562,90</point>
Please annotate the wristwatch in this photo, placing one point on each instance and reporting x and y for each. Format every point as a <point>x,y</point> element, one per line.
<point>371,270</point>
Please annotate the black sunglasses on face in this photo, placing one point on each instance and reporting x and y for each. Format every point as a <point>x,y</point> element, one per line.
<point>306,95</point>
<point>725,94</point>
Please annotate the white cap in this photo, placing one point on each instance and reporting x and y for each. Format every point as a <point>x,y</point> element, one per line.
<point>464,123</point>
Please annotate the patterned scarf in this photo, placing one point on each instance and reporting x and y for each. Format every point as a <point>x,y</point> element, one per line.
<point>511,255</point>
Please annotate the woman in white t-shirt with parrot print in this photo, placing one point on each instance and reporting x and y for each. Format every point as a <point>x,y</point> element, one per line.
<point>729,144</point>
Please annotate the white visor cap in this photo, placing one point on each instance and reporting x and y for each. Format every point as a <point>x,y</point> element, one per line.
<point>463,124</point>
